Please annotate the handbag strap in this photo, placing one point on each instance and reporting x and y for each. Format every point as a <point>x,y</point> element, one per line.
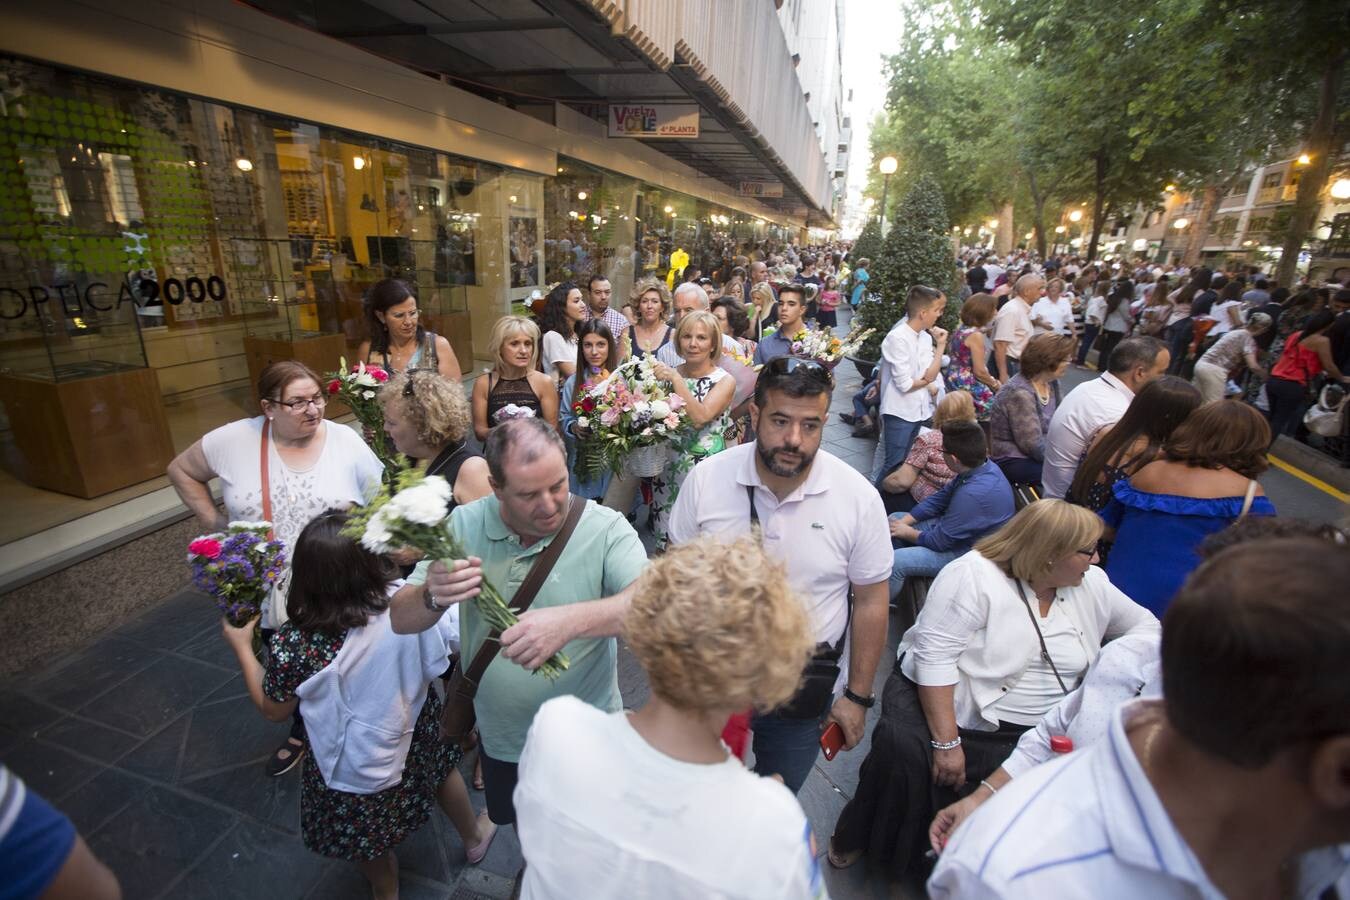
<point>837,646</point>
<point>529,588</point>
<point>1045,651</point>
<point>1247,500</point>
<point>265,473</point>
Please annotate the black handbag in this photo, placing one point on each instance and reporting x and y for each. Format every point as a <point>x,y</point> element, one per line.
<point>816,693</point>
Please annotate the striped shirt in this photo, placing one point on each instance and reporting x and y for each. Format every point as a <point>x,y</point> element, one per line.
<point>1090,825</point>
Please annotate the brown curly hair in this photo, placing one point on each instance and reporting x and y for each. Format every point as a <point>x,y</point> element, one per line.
<point>716,626</point>
<point>436,405</point>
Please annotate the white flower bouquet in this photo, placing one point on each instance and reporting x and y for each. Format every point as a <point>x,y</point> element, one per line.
<point>630,409</point>
<point>412,514</point>
<point>823,347</point>
<point>359,389</point>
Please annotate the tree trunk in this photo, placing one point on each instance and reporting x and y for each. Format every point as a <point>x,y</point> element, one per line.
<point>1195,241</point>
<point>1003,240</point>
<point>1098,203</point>
<point>1038,213</point>
<point>1321,146</point>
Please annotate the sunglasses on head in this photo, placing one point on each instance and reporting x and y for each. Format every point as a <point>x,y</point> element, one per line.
<point>784,365</point>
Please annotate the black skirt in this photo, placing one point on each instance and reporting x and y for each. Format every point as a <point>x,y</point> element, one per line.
<point>896,800</point>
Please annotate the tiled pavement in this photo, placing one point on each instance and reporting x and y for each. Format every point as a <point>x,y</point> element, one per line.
<point>147,740</point>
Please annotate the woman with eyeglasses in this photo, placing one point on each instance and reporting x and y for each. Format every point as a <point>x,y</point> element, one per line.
<point>398,342</point>
<point>1007,631</point>
<point>313,465</point>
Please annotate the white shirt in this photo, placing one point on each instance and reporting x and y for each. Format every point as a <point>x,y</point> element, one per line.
<point>558,349</point>
<point>905,355</point>
<point>1038,689</point>
<point>1223,320</point>
<point>1013,324</point>
<point>974,632</point>
<point>1080,415</point>
<point>1090,825</point>
<point>603,815</point>
<point>991,273</point>
<point>830,532</point>
<point>362,707</point>
<point>671,356</point>
<point>1096,310</point>
<point>1058,314</point>
<point>345,473</point>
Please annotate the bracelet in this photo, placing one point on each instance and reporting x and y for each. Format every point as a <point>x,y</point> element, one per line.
<point>946,745</point>
<point>992,790</point>
<point>429,601</point>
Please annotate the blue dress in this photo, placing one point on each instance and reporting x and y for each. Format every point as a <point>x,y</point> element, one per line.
<point>1157,536</point>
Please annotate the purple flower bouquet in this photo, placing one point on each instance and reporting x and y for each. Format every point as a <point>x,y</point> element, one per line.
<point>238,568</point>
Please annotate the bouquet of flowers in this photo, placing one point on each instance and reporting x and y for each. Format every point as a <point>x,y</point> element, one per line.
<point>630,409</point>
<point>238,568</point>
<point>512,411</point>
<point>825,348</point>
<point>412,514</point>
<point>358,388</point>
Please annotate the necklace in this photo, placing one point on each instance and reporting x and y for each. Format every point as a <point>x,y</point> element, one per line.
<point>1039,398</point>
<point>1146,752</point>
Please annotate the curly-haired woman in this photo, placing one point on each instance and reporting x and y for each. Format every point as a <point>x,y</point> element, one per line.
<point>650,804</point>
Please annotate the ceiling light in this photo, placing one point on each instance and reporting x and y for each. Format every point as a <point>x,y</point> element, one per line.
<point>244,164</point>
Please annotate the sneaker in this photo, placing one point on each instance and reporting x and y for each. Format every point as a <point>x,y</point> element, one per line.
<point>286,757</point>
<point>848,418</point>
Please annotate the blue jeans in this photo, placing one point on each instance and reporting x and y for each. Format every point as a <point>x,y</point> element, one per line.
<point>916,560</point>
<point>897,436</point>
<point>786,747</point>
<point>861,407</point>
<point>1090,333</point>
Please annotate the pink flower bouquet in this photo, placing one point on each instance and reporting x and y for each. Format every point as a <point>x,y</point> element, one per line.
<point>359,389</point>
<point>630,409</point>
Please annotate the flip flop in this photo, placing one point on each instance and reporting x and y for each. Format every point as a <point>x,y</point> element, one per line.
<point>489,831</point>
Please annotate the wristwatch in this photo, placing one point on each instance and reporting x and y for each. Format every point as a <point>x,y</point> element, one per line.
<point>430,601</point>
<point>864,702</point>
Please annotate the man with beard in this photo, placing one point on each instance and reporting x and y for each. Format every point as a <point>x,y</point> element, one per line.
<point>827,525</point>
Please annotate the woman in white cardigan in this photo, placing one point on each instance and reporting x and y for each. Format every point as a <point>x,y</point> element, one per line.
<point>1007,630</point>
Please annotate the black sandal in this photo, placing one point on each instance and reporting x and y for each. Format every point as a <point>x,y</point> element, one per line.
<point>286,757</point>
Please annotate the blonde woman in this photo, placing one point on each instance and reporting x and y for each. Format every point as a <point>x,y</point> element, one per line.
<point>924,471</point>
<point>707,390</point>
<point>650,804</point>
<point>650,332</point>
<point>514,386</point>
<point>761,309</point>
<point>1007,631</point>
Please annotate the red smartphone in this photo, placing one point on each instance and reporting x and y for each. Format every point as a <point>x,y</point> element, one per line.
<point>832,741</point>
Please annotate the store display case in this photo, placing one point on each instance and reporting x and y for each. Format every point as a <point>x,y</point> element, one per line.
<point>84,408</point>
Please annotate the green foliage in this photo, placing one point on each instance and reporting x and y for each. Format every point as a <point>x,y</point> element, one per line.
<point>917,251</point>
<point>868,244</point>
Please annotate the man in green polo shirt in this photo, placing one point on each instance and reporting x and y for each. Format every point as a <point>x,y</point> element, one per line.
<point>503,533</point>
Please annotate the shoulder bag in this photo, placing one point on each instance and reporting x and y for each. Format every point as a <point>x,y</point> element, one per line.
<point>458,716</point>
<point>1040,636</point>
<point>274,613</point>
<point>816,694</point>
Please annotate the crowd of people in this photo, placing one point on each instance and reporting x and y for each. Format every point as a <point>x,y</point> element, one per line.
<point>1124,660</point>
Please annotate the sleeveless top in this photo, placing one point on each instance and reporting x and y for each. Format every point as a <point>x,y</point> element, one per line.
<point>447,465</point>
<point>1297,363</point>
<point>415,361</point>
<point>509,391</point>
<point>638,352</point>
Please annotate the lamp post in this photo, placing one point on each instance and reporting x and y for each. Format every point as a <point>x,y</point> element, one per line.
<point>888,165</point>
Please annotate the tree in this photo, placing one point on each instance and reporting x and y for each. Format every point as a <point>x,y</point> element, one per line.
<point>868,245</point>
<point>917,251</point>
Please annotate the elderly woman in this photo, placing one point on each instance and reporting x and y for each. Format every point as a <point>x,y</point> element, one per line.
<point>652,305</point>
<point>398,342</point>
<point>649,803</point>
<point>312,465</point>
<point>1022,409</point>
<point>428,420</point>
<point>514,386</point>
<point>1227,355</point>
<point>1007,630</point>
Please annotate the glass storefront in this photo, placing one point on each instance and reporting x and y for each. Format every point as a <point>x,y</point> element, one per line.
<point>157,251</point>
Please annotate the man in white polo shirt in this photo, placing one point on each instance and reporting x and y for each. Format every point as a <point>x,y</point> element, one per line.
<point>911,374</point>
<point>1095,404</point>
<point>1013,328</point>
<point>1233,784</point>
<point>828,526</point>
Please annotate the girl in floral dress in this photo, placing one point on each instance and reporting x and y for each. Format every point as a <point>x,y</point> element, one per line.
<point>365,787</point>
<point>969,351</point>
<point>707,390</point>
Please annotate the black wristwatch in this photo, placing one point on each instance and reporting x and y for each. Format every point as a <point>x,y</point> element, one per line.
<point>864,702</point>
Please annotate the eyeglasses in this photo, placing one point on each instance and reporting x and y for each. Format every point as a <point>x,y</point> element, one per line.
<point>1089,552</point>
<point>298,406</point>
<point>785,365</point>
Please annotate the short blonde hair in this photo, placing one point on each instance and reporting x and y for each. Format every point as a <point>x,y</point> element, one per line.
<point>716,626</point>
<point>644,285</point>
<point>957,406</point>
<point>507,327</point>
<point>1039,536</point>
<point>760,290</point>
<point>435,405</point>
<point>708,321</point>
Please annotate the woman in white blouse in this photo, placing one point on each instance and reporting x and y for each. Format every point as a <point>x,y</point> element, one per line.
<point>1007,631</point>
<point>563,309</point>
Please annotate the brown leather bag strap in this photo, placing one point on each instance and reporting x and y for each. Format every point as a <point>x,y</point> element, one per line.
<point>265,473</point>
<point>528,590</point>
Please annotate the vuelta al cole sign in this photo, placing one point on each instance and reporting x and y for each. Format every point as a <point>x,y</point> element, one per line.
<point>653,120</point>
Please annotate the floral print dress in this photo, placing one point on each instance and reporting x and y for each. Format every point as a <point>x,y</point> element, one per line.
<point>357,826</point>
<point>961,373</point>
<point>695,445</point>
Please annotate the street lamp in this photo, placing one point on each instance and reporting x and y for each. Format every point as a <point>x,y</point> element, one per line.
<point>1180,224</point>
<point>888,165</point>
<point>1341,189</point>
<point>993,224</point>
<point>1076,216</point>
<point>1304,159</point>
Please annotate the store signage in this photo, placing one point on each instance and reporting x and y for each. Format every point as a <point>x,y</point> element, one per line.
<point>760,189</point>
<point>653,120</point>
<point>99,296</point>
